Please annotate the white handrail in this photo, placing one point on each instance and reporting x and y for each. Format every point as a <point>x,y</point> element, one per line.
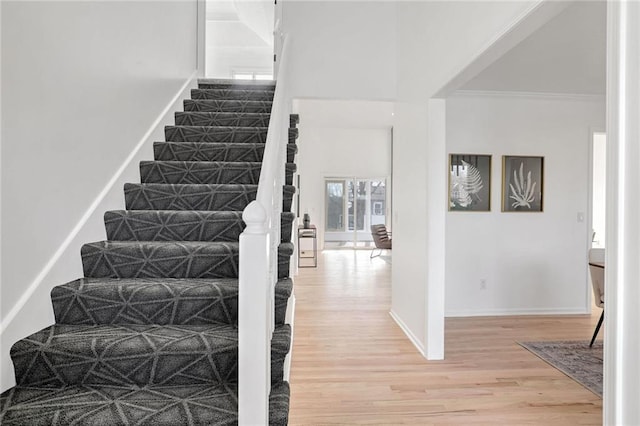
<point>258,270</point>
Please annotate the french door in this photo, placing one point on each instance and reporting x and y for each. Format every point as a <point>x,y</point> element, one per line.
<point>352,205</point>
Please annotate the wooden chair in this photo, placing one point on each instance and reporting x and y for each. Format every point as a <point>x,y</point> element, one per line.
<point>381,238</point>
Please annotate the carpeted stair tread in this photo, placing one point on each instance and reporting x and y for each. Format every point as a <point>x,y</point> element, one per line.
<point>162,301</point>
<point>212,105</point>
<point>181,225</point>
<point>220,134</point>
<point>235,93</point>
<point>169,259</point>
<point>240,119</point>
<point>220,83</point>
<point>204,151</point>
<point>159,196</point>
<point>206,172</point>
<point>89,405</point>
<point>286,226</point>
<point>127,354</point>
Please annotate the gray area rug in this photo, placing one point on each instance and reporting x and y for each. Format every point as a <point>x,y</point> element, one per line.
<point>574,358</point>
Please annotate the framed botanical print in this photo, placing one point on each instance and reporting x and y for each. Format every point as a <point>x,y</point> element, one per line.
<point>522,183</point>
<point>469,182</point>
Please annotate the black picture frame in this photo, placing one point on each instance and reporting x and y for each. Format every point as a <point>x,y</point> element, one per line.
<point>522,183</point>
<point>469,182</point>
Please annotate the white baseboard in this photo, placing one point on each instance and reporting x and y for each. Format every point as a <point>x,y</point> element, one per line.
<point>516,312</point>
<point>289,318</point>
<point>416,342</point>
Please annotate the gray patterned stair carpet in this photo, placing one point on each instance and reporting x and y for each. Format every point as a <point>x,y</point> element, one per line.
<point>149,335</point>
<point>574,358</point>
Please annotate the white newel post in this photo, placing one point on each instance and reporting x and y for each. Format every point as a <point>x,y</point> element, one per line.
<point>254,319</point>
<point>622,279</point>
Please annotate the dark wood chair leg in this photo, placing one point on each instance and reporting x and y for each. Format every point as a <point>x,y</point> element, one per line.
<point>595,333</point>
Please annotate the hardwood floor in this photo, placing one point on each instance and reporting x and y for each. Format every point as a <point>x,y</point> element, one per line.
<point>353,365</point>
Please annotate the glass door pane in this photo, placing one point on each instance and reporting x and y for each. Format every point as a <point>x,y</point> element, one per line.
<point>335,206</point>
<point>378,202</point>
<point>362,203</point>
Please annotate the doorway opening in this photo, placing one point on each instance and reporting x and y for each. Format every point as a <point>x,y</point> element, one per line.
<point>352,205</point>
<point>598,189</point>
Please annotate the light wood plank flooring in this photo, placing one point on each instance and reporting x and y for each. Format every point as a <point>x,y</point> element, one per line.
<point>353,365</point>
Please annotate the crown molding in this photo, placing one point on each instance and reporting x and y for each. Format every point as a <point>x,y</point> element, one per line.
<point>529,95</point>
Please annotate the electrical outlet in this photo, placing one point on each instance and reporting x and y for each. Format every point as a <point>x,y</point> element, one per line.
<point>483,284</point>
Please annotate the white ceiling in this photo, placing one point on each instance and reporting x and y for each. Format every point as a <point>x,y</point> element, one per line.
<point>566,55</point>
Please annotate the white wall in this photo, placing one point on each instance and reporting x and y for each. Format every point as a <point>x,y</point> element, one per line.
<point>342,50</point>
<point>435,41</point>
<point>222,62</point>
<point>82,84</point>
<point>532,262</point>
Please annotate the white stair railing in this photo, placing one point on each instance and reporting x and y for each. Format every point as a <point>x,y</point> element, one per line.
<point>258,270</point>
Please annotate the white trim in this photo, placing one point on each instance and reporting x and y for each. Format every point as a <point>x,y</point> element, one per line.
<point>201,37</point>
<point>289,318</point>
<point>407,331</point>
<point>580,97</point>
<point>158,122</point>
<point>622,317</point>
<point>516,312</point>
<point>436,218</point>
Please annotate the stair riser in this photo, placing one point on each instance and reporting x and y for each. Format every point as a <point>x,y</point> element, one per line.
<point>205,173</point>
<point>128,358</point>
<point>133,355</point>
<point>166,260</point>
<point>227,106</point>
<point>195,197</point>
<point>233,94</point>
<point>228,119</point>
<point>220,134</point>
<point>154,301</point>
<point>222,119</point>
<point>122,225</point>
<point>160,260</point>
<point>203,151</point>
<point>285,251</point>
<point>239,85</point>
<point>173,226</point>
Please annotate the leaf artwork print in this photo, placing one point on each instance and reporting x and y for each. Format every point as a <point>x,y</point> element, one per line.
<point>466,183</point>
<point>522,190</point>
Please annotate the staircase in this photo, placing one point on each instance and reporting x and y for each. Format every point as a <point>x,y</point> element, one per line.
<point>149,336</point>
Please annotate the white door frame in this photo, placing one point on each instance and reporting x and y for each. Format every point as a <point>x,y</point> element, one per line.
<point>622,273</point>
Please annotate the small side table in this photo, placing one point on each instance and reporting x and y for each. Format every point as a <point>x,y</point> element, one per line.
<point>303,233</point>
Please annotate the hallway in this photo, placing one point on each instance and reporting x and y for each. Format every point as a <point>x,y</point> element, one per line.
<point>353,365</point>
